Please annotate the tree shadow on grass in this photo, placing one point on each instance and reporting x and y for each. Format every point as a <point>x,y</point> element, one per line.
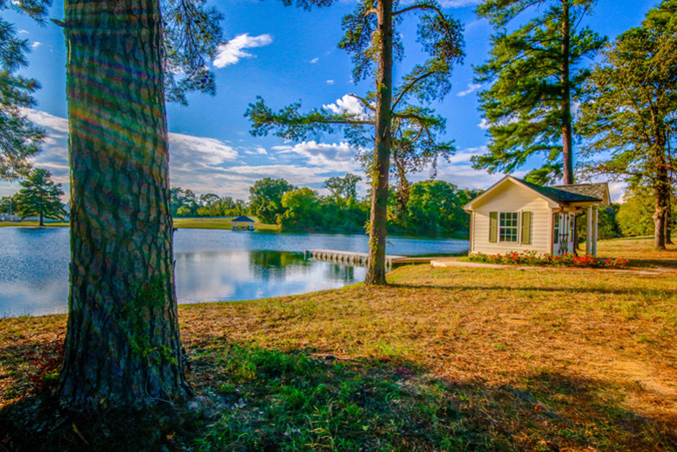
<point>256,399</point>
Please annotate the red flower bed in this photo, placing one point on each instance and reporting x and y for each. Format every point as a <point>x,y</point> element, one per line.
<point>563,260</point>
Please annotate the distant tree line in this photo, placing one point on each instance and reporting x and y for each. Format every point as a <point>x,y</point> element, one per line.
<point>434,207</point>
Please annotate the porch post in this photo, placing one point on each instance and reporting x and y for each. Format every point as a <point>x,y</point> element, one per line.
<point>588,233</point>
<point>596,228</point>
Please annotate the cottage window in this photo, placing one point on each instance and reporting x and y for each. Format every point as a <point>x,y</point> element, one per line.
<point>508,228</point>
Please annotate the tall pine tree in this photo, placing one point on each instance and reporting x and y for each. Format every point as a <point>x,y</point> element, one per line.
<point>397,120</point>
<point>535,71</point>
<point>122,345</point>
<point>40,197</point>
<point>19,138</point>
<point>630,112</point>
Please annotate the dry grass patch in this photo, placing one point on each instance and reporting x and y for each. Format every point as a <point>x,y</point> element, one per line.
<point>443,359</point>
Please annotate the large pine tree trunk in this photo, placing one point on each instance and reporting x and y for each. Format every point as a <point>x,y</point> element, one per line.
<point>376,270</point>
<point>122,346</point>
<point>567,129</point>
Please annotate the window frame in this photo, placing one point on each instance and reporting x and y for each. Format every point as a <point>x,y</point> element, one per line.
<point>516,228</point>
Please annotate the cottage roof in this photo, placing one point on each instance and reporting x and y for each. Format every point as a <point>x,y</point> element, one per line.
<point>560,194</point>
<point>242,219</point>
<point>571,193</point>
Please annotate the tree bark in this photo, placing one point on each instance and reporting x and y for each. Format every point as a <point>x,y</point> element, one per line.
<point>376,269</point>
<point>567,129</point>
<point>122,346</point>
<point>662,198</point>
<point>668,221</point>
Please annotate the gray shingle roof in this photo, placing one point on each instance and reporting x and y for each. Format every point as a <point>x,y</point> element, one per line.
<point>571,193</point>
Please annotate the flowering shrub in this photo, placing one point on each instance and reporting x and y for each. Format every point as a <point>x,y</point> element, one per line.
<point>563,260</point>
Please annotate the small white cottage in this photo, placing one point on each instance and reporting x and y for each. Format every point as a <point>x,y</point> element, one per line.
<point>515,215</point>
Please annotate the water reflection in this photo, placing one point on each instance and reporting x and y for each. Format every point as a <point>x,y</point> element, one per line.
<point>210,265</point>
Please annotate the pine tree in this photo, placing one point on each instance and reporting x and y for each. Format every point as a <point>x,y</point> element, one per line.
<point>19,138</point>
<point>535,71</point>
<point>397,120</point>
<point>122,344</point>
<point>40,197</point>
<point>631,110</point>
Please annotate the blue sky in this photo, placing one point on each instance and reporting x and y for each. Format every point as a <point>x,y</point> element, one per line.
<point>284,55</point>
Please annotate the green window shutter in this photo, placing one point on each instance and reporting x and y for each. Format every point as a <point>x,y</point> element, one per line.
<point>526,228</point>
<point>493,227</point>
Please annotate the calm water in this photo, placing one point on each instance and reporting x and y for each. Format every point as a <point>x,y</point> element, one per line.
<point>211,265</point>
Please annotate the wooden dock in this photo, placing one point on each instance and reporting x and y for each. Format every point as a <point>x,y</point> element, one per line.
<point>361,259</point>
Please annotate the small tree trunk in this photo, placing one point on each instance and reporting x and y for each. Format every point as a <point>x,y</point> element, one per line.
<point>662,197</point>
<point>42,223</point>
<point>668,222</point>
<point>567,132</point>
<point>122,345</point>
<point>376,270</point>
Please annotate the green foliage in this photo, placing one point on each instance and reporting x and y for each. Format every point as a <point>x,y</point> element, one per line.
<point>191,37</point>
<point>183,202</point>
<point>607,223</point>
<point>265,198</point>
<point>19,138</point>
<point>434,208</point>
<point>7,204</point>
<point>414,128</point>
<point>301,209</point>
<point>635,214</point>
<point>342,188</point>
<point>397,118</point>
<point>292,402</point>
<point>532,80</point>
<point>630,112</point>
<point>40,196</point>
<point>631,102</point>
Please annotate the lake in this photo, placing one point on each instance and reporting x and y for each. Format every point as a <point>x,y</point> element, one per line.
<point>211,265</point>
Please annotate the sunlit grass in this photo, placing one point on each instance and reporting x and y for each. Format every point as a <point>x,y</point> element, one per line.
<point>217,223</point>
<point>31,224</point>
<point>443,359</point>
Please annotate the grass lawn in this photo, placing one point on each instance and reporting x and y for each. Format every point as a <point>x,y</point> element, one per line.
<point>217,223</point>
<point>32,224</point>
<point>441,360</point>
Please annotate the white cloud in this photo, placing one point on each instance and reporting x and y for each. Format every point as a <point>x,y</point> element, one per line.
<point>617,191</point>
<point>347,104</point>
<point>472,87</point>
<point>36,44</point>
<point>256,151</point>
<point>23,32</point>
<point>232,51</point>
<point>199,150</point>
<point>314,60</point>
<point>465,155</point>
<point>330,82</point>
<point>485,124</point>
<point>207,164</point>
<point>332,157</point>
<point>458,3</point>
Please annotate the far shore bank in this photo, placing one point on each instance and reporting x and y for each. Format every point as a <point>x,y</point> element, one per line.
<point>220,223</point>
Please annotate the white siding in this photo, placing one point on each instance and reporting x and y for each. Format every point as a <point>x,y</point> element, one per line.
<point>512,198</point>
